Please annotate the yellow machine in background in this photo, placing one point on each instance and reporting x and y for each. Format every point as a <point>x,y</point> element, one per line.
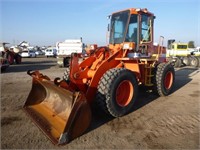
<point>180,54</point>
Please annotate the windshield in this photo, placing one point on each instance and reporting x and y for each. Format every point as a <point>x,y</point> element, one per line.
<point>132,32</point>
<point>146,28</point>
<point>118,27</point>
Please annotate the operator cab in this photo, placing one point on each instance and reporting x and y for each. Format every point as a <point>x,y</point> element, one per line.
<point>133,30</point>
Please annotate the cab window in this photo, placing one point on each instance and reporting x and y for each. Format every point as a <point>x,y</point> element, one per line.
<point>117,27</point>
<point>145,28</point>
<point>132,29</point>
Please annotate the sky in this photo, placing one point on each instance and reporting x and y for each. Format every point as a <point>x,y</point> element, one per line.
<point>45,22</point>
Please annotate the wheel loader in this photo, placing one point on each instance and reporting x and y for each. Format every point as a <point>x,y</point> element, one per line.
<point>109,78</point>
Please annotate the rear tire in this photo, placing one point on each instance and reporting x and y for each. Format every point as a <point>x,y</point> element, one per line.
<point>195,62</point>
<point>117,92</point>
<point>186,61</point>
<point>164,79</point>
<point>177,63</point>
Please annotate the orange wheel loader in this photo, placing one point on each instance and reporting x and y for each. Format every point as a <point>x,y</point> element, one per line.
<point>109,77</point>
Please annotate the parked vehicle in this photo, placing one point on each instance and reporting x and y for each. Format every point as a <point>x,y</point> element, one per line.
<point>50,52</point>
<point>66,48</point>
<point>12,54</point>
<point>180,55</point>
<point>39,52</point>
<point>28,53</point>
<point>196,51</point>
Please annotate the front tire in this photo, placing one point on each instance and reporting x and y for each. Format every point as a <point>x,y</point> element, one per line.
<point>117,91</point>
<point>164,79</point>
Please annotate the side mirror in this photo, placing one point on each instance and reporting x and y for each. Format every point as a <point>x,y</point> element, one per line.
<point>108,16</point>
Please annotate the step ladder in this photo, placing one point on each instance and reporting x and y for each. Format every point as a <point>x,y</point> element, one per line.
<point>148,75</point>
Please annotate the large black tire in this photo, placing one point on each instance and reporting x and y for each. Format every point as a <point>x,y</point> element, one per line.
<point>164,79</point>
<point>66,75</point>
<point>108,97</point>
<point>195,62</point>
<point>66,62</point>
<point>186,61</point>
<point>177,63</point>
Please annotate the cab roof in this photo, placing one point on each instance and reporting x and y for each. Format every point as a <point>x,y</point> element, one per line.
<point>137,11</point>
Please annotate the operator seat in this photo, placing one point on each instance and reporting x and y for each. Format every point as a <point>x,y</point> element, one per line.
<point>134,36</point>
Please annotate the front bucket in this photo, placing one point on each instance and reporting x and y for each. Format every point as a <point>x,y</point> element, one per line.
<point>62,115</point>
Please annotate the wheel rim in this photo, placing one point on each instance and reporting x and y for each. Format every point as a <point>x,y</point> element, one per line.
<point>124,93</point>
<point>168,80</point>
<point>193,62</point>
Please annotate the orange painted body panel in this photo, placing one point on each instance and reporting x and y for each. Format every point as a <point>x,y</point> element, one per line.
<point>90,71</point>
<point>87,74</point>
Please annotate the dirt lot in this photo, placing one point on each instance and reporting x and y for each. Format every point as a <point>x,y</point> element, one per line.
<point>171,122</point>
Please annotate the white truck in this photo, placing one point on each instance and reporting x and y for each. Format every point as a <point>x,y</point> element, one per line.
<point>66,48</point>
<point>196,57</point>
<point>51,52</point>
<point>196,51</point>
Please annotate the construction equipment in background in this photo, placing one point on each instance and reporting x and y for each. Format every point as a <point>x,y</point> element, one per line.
<point>109,78</point>
<point>180,55</point>
<point>12,54</point>
<point>66,48</point>
<point>4,64</point>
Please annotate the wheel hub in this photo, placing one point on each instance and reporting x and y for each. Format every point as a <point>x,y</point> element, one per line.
<point>168,80</point>
<point>124,93</point>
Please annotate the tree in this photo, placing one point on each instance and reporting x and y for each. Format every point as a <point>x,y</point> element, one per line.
<point>191,44</point>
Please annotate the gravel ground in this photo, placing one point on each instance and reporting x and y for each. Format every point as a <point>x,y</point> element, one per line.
<point>156,122</point>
